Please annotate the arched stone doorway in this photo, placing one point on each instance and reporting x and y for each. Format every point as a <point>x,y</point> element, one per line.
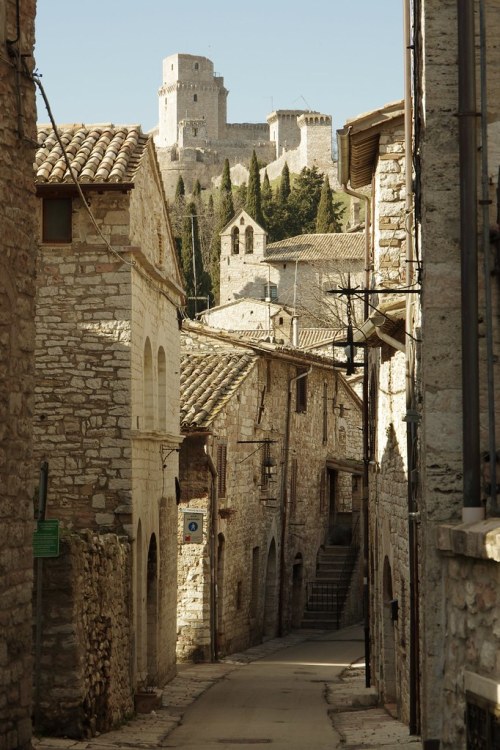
<point>271,594</point>
<point>297,593</point>
<point>152,611</point>
<point>221,550</point>
<point>139,606</point>
<point>389,645</point>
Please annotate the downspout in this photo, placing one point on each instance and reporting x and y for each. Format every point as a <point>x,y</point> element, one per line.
<point>283,500</point>
<point>485,205</point>
<point>412,417</point>
<point>343,141</point>
<point>212,556</point>
<point>472,508</point>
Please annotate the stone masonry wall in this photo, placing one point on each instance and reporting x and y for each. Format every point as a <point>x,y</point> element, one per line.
<point>86,637</point>
<point>17,295</point>
<point>82,407</point>
<point>471,586</point>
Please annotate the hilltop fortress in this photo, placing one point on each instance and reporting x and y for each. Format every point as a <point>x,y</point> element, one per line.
<point>193,136</point>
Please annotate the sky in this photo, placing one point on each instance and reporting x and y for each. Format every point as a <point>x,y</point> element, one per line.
<point>101,60</point>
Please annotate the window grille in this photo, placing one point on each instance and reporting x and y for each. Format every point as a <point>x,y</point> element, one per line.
<point>221,469</point>
<point>482,721</point>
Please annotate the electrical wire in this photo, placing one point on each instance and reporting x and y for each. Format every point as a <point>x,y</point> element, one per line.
<point>36,79</point>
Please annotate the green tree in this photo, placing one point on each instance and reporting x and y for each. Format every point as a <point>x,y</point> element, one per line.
<point>284,189</point>
<point>267,200</point>
<point>253,203</point>
<point>328,218</point>
<point>180,190</point>
<point>223,213</point>
<point>196,280</point>
<point>303,202</point>
<point>197,190</point>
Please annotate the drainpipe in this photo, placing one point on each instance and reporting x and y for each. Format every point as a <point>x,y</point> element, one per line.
<point>212,531</point>
<point>472,507</point>
<point>412,417</point>
<point>283,500</point>
<point>343,141</point>
<point>485,204</point>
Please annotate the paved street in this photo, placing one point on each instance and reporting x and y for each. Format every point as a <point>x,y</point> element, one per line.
<point>300,692</point>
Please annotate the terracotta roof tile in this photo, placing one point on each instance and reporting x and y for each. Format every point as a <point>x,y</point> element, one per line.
<point>317,247</point>
<point>97,153</point>
<point>207,383</point>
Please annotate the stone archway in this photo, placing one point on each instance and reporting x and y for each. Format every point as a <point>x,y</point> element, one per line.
<point>140,660</point>
<point>388,638</point>
<point>271,595</point>
<point>152,611</point>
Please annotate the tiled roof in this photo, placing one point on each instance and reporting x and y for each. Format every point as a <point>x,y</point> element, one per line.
<point>308,337</point>
<point>97,153</point>
<point>207,383</point>
<point>314,247</point>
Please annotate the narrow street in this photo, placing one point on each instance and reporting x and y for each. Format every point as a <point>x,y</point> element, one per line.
<point>278,700</point>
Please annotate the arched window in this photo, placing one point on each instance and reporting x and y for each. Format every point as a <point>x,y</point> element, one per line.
<point>235,241</point>
<point>162,389</point>
<point>148,387</point>
<point>249,240</point>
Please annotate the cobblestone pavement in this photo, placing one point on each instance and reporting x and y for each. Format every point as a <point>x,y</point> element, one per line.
<point>357,720</point>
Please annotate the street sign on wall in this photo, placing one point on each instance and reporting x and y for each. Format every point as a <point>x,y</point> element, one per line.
<point>192,527</point>
<point>46,539</point>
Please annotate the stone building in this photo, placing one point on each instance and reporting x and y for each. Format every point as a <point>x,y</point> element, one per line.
<point>297,272</point>
<point>371,152</point>
<point>17,326</point>
<point>194,138</point>
<point>271,462</point>
<point>106,419</point>
<point>434,530</point>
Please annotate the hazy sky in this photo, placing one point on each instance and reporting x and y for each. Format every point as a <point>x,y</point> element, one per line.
<point>101,60</point>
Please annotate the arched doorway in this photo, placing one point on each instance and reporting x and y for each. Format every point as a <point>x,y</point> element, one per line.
<point>152,611</point>
<point>139,607</point>
<point>271,594</point>
<point>388,637</point>
<point>297,594</point>
<point>221,549</point>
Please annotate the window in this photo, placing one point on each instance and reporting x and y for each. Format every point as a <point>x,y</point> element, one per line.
<point>271,292</point>
<point>195,132</point>
<point>221,469</point>
<point>162,389</point>
<point>195,98</point>
<point>239,590</point>
<point>197,66</point>
<point>148,386</point>
<point>235,241</point>
<point>301,391</point>
<point>249,240</point>
<point>57,220</point>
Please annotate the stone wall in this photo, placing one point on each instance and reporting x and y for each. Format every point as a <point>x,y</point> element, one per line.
<point>471,586</point>
<point>82,405</point>
<point>17,295</point>
<point>84,676</point>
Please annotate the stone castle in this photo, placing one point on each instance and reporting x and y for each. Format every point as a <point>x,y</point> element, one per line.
<point>193,136</point>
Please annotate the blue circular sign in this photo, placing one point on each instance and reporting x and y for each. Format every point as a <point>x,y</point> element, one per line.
<point>192,526</point>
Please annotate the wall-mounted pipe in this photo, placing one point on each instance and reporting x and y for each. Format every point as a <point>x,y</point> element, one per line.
<point>472,508</point>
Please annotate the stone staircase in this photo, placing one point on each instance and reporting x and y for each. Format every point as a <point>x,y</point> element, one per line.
<point>327,593</point>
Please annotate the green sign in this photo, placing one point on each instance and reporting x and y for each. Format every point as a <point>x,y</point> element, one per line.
<point>46,539</point>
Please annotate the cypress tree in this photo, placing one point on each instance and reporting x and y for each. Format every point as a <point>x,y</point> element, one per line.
<point>326,219</point>
<point>192,261</point>
<point>284,189</point>
<point>224,212</point>
<point>266,199</point>
<point>253,203</point>
<point>180,190</point>
<point>197,190</point>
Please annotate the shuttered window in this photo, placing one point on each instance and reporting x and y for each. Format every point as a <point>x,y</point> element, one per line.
<point>221,469</point>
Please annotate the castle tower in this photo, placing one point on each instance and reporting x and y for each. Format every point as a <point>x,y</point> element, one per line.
<point>284,130</point>
<point>243,245</point>
<point>190,91</point>
<point>315,137</point>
